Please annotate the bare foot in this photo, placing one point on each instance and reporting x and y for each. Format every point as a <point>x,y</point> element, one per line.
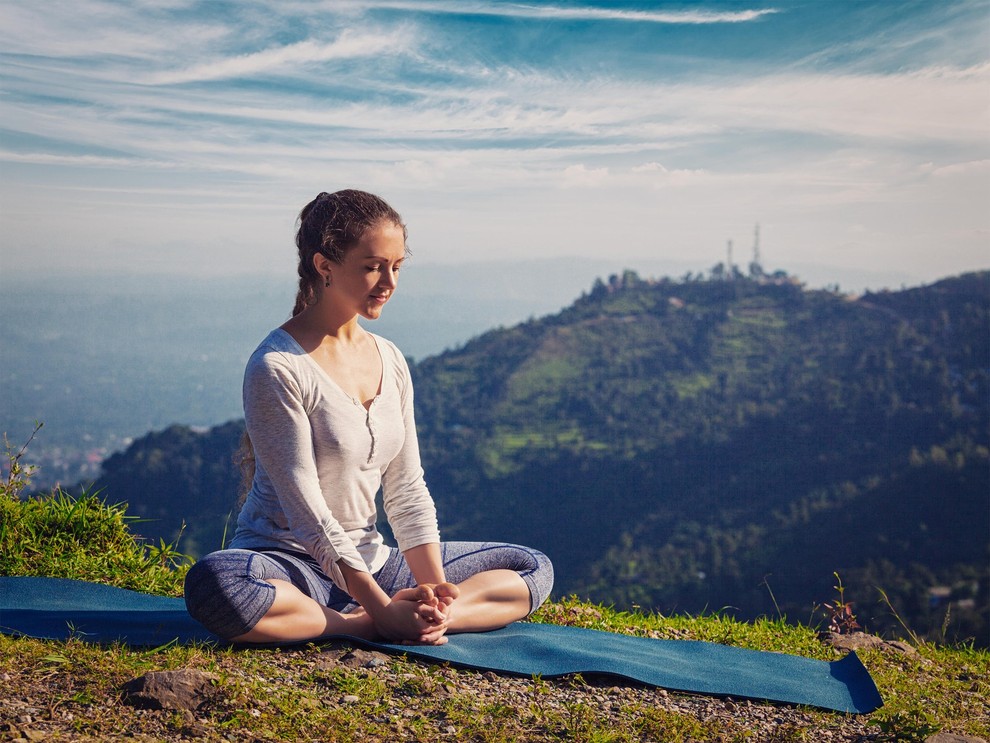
<point>446,590</point>
<point>413,615</point>
<point>442,594</point>
<point>423,594</point>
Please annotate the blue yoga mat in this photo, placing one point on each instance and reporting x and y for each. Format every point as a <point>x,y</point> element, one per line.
<point>57,609</point>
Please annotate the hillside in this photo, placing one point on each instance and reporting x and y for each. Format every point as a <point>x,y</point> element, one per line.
<point>692,445</point>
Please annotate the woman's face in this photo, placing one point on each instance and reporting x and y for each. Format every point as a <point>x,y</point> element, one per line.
<point>369,273</point>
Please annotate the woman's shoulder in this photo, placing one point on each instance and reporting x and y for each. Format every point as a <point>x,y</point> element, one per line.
<point>279,341</point>
<point>278,349</point>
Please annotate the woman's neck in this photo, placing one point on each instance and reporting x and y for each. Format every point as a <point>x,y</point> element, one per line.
<point>316,324</point>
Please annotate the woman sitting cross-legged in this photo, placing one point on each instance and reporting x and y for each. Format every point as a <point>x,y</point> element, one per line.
<point>329,414</point>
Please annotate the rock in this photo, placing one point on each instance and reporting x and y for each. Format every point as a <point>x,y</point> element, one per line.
<point>33,735</point>
<point>852,641</point>
<point>953,738</point>
<point>363,659</point>
<point>185,688</point>
<point>901,647</point>
<point>351,699</point>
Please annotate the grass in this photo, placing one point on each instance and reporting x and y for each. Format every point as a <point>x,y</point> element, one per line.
<point>87,539</point>
<point>82,537</point>
<point>71,690</point>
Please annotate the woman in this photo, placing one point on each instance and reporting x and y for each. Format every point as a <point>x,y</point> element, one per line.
<point>329,414</point>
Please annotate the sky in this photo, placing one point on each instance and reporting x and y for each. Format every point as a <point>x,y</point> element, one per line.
<point>183,136</point>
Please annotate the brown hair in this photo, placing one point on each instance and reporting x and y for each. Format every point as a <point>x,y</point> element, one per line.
<point>331,224</point>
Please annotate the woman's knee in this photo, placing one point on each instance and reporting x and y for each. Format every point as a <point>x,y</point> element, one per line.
<point>463,559</point>
<point>224,593</point>
<point>533,567</point>
<point>539,579</point>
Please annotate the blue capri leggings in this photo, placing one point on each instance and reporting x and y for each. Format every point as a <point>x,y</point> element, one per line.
<point>228,593</point>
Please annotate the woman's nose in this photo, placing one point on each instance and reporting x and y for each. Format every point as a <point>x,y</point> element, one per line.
<point>389,278</point>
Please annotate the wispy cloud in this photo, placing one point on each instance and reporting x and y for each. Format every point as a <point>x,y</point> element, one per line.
<point>82,161</point>
<point>292,57</point>
<point>538,123</point>
<point>102,30</point>
<point>583,13</point>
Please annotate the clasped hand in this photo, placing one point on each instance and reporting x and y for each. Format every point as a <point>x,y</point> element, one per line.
<point>418,616</point>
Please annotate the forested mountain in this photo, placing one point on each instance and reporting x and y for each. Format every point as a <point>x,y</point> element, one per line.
<point>180,484</point>
<point>722,442</point>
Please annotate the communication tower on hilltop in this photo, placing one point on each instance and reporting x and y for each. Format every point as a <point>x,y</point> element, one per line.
<point>756,267</point>
<point>728,260</point>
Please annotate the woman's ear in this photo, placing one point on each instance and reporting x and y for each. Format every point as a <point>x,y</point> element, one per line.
<point>324,267</point>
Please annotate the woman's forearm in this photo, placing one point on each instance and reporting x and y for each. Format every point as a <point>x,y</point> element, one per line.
<point>363,588</point>
<point>425,563</point>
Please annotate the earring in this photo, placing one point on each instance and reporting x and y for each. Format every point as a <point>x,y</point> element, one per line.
<point>327,284</point>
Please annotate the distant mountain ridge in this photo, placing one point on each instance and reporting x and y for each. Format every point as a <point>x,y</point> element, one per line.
<point>118,356</point>
<point>695,444</point>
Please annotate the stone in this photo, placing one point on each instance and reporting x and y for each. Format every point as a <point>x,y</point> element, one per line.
<point>953,738</point>
<point>901,647</point>
<point>182,689</point>
<point>852,641</point>
<point>358,658</point>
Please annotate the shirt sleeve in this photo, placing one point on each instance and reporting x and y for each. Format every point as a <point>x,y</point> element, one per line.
<point>408,504</point>
<point>278,423</point>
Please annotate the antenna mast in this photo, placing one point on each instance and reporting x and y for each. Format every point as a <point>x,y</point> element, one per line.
<point>756,267</point>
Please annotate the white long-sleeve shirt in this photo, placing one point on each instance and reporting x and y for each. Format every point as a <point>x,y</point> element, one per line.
<point>321,458</point>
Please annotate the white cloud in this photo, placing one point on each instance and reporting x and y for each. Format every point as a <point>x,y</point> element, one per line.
<point>660,176</point>
<point>692,17</point>
<point>98,30</point>
<point>82,161</point>
<point>571,120</point>
<point>581,176</point>
<point>970,168</point>
<point>554,12</point>
<point>348,45</point>
<point>931,105</point>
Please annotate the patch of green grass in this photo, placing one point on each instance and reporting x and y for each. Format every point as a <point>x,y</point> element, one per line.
<point>938,688</point>
<point>85,538</point>
<point>652,723</point>
<point>547,374</point>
